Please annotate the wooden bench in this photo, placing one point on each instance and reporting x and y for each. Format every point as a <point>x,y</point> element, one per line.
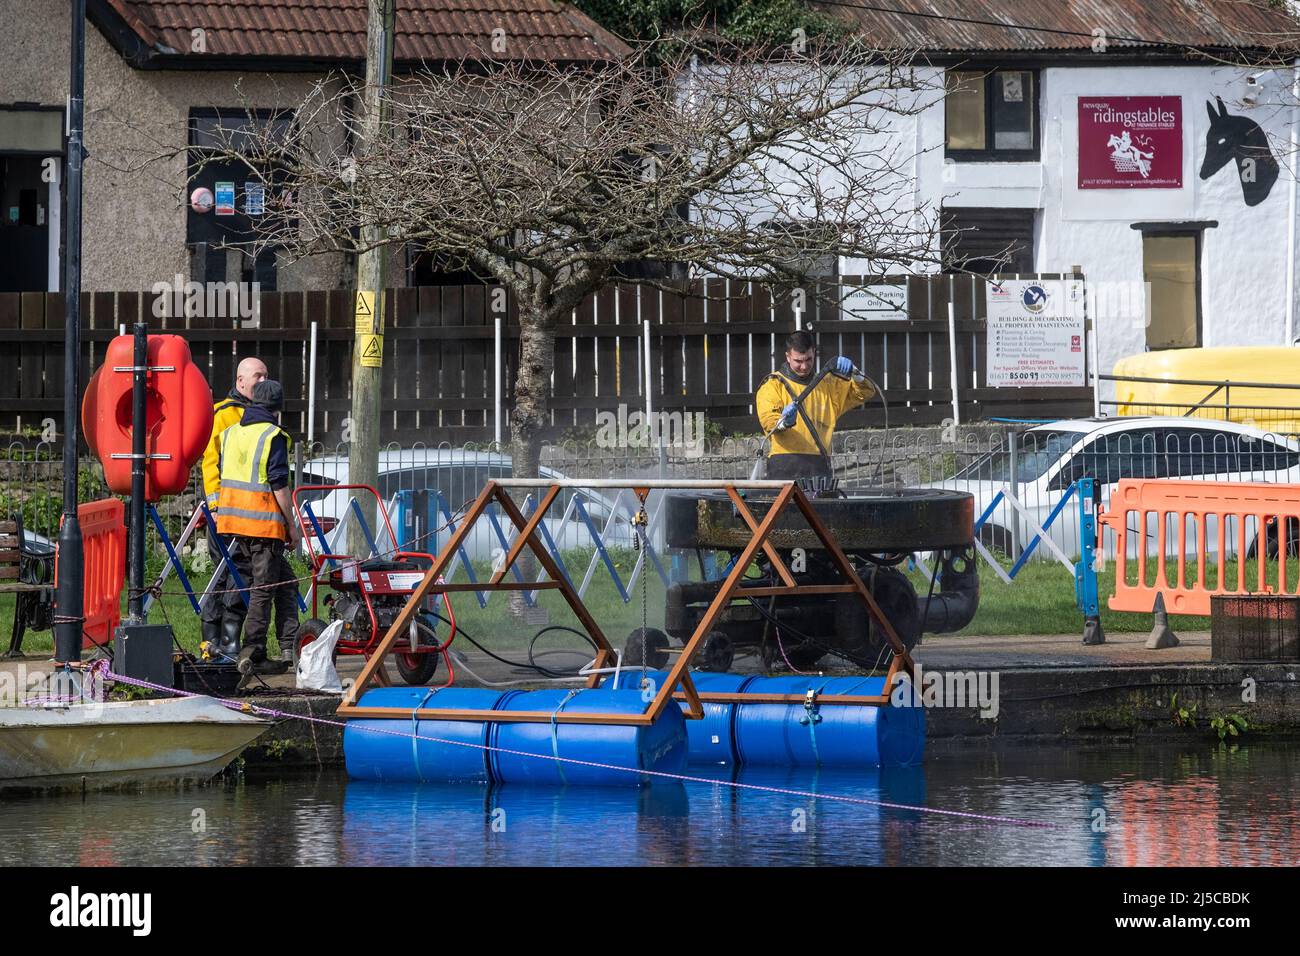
<point>29,573</point>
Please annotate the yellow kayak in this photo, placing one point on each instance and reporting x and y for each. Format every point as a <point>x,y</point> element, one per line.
<point>1272,409</point>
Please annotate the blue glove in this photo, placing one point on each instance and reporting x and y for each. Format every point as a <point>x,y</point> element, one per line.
<point>787,417</point>
<point>844,366</point>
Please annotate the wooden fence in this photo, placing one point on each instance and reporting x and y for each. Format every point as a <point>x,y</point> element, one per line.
<point>711,345</point>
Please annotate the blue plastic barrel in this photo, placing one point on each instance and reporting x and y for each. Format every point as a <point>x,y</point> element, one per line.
<point>831,735</point>
<point>711,741</point>
<point>387,749</point>
<point>528,750</point>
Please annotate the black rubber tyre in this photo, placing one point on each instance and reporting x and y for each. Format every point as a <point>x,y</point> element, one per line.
<point>996,539</point>
<point>801,657</point>
<point>1271,547</point>
<point>418,669</point>
<point>716,653</point>
<point>656,648</point>
<point>308,631</point>
<point>897,599</point>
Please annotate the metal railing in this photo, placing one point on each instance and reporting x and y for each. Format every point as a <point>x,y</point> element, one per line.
<point>1034,467</point>
<point>1266,405</point>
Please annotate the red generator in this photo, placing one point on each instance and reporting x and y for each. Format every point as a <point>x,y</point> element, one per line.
<point>367,595</point>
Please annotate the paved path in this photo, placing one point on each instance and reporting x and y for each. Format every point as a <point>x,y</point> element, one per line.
<point>1033,651</point>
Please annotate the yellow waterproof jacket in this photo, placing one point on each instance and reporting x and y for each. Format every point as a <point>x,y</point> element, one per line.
<point>225,413</point>
<point>832,397</point>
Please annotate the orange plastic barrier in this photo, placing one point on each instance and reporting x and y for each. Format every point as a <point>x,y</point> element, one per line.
<point>103,531</point>
<point>1212,524</point>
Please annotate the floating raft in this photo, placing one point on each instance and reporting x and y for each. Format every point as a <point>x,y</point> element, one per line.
<point>496,752</point>
<point>844,736</point>
<point>760,734</point>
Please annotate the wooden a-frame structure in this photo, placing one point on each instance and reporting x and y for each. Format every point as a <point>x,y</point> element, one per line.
<point>678,684</point>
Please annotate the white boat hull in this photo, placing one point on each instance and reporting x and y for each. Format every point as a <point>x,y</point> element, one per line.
<point>120,743</point>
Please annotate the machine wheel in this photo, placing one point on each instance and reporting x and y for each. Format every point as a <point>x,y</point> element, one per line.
<point>308,631</point>
<point>996,539</point>
<point>1271,540</point>
<point>716,653</point>
<point>897,599</point>
<point>656,648</point>
<point>417,669</point>
<point>800,656</point>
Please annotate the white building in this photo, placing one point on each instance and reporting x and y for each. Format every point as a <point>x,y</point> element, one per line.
<point>1143,142</point>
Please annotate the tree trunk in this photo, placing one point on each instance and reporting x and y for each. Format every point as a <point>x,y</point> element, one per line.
<point>528,418</point>
<point>532,392</point>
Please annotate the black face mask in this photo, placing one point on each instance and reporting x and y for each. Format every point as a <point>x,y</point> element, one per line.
<point>801,379</point>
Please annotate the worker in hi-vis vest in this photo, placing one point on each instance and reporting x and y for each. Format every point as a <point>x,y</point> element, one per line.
<point>794,452</point>
<point>225,413</point>
<point>255,507</point>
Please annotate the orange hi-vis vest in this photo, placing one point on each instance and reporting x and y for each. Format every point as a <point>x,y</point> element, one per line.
<point>246,504</point>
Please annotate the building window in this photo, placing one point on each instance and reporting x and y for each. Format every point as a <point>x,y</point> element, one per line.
<point>987,241</point>
<point>991,116</point>
<point>1171,267</point>
<point>223,146</point>
<point>31,198</point>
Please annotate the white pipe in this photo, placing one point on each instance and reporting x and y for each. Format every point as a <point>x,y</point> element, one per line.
<point>311,388</point>
<point>798,319</point>
<point>649,404</point>
<point>952,360</point>
<point>1095,351</point>
<point>496,381</point>
<point>1291,207</point>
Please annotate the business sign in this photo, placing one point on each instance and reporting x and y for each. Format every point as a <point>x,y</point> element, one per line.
<point>254,199</point>
<point>1130,142</point>
<point>225,197</point>
<point>877,301</point>
<point>1035,333</point>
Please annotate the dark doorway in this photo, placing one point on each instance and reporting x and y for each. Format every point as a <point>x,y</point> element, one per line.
<point>24,225</point>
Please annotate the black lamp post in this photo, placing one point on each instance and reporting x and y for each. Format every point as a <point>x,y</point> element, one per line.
<point>69,597</point>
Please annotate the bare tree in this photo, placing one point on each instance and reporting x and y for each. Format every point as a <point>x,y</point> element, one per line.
<point>549,179</point>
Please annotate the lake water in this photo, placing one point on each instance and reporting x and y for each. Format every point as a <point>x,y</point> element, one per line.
<point>1147,805</point>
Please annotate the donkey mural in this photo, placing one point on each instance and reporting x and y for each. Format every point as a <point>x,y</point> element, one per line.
<point>1241,139</point>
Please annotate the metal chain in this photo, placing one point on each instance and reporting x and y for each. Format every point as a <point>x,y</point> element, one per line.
<point>639,522</point>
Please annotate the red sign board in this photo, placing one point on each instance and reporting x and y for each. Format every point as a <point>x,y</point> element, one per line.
<point>1130,142</point>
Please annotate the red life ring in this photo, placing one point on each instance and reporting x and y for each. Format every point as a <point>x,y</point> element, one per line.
<point>178,415</point>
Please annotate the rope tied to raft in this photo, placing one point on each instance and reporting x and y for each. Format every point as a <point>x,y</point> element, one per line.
<point>415,732</point>
<point>555,733</point>
<point>659,774</point>
<point>812,718</point>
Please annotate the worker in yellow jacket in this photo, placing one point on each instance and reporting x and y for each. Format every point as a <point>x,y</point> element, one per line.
<point>794,452</point>
<point>225,413</point>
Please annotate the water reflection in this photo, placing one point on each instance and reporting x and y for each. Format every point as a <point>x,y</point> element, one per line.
<point>1118,807</point>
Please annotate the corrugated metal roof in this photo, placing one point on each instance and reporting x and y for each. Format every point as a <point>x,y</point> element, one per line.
<point>1021,25</point>
<point>335,30</point>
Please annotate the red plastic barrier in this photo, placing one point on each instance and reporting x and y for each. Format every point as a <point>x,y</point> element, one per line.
<point>178,415</point>
<point>103,530</point>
